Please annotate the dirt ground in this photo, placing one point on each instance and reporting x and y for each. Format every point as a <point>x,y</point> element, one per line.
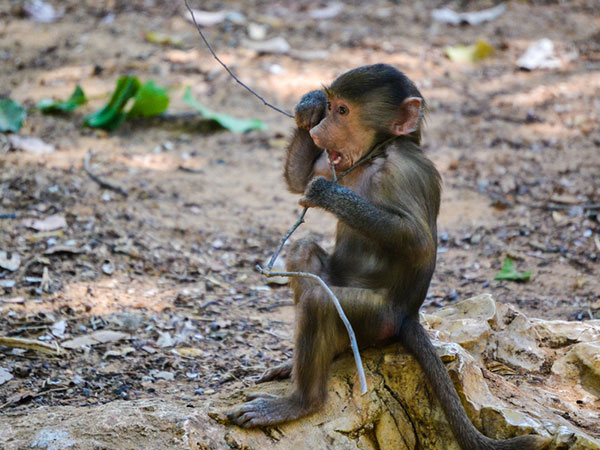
<point>171,265</point>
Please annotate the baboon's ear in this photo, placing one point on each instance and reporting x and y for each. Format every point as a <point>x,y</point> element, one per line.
<point>407,119</point>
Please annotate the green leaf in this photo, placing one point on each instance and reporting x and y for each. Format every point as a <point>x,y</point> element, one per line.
<point>228,122</point>
<point>470,53</point>
<point>76,99</point>
<point>12,115</point>
<point>508,272</point>
<point>150,100</point>
<point>111,115</point>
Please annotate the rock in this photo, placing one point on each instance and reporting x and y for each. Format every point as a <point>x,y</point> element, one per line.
<point>466,323</point>
<point>516,345</point>
<point>481,308</point>
<point>589,355</point>
<point>53,439</point>
<point>582,364</point>
<point>482,327</point>
<point>399,410</point>
<point>560,333</point>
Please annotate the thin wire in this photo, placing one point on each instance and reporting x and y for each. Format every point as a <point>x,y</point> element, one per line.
<point>266,103</point>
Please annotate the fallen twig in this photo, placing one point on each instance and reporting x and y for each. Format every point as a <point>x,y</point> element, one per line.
<point>338,307</point>
<point>299,222</point>
<point>334,177</point>
<point>100,181</point>
<point>22,397</point>
<point>14,300</point>
<point>266,103</point>
<point>30,344</point>
<point>556,207</point>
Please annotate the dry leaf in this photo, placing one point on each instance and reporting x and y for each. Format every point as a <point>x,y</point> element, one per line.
<point>63,249</point>
<point>50,223</point>
<point>539,55</point>
<point>118,353</point>
<point>58,328</point>
<point>558,217</point>
<point>446,15</point>
<point>98,337</point>
<point>189,352</point>
<point>30,144</point>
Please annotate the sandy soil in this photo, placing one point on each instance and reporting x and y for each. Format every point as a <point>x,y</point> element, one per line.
<point>518,152</point>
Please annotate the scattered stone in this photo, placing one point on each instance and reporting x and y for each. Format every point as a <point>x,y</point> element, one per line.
<point>257,31</point>
<point>210,18</point>
<point>276,46</point>
<point>12,263</point>
<point>108,268</point>
<point>399,408</point>
<point>328,12</point>
<point>5,375</point>
<point>165,340</point>
<point>162,375</point>
<point>41,11</point>
<point>7,284</point>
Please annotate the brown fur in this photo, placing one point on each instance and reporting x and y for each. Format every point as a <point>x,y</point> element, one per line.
<point>385,250</point>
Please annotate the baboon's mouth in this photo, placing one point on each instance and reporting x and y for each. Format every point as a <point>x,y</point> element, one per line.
<point>335,157</point>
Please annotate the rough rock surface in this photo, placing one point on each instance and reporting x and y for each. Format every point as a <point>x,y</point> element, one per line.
<point>515,375</point>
